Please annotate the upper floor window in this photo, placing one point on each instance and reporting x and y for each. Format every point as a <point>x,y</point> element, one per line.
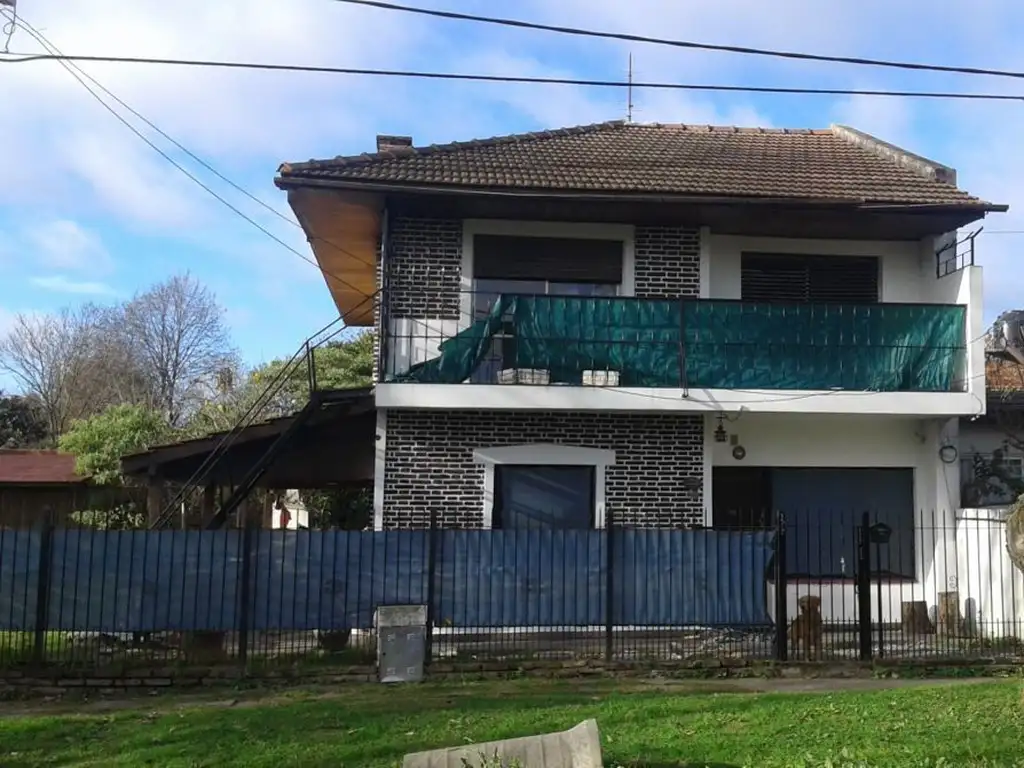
<point>809,279</point>
<point>544,265</point>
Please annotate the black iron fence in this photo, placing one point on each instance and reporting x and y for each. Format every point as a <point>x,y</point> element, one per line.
<point>600,341</point>
<point>826,587</point>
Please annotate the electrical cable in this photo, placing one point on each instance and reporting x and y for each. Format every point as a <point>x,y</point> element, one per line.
<point>70,67</point>
<point>21,58</point>
<point>276,384</point>
<point>10,25</point>
<point>739,49</point>
<point>62,58</point>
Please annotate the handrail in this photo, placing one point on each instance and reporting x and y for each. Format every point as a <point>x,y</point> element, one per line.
<point>305,353</point>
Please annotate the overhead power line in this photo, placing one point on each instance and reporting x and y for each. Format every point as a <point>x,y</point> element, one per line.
<point>857,60</point>
<point>22,58</point>
<point>81,76</point>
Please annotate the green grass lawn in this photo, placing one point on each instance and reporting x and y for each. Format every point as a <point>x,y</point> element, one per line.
<point>641,725</point>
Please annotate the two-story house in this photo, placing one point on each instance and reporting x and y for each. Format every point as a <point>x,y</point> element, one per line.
<point>661,326</point>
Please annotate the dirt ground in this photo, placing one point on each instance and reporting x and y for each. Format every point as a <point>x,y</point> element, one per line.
<point>169,700</point>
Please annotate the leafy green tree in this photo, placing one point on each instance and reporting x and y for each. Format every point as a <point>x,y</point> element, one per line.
<point>339,365</point>
<point>22,422</point>
<point>345,364</point>
<point>99,442</point>
<point>348,509</point>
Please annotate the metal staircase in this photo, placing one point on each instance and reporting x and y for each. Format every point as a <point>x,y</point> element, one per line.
<point>303,358</point>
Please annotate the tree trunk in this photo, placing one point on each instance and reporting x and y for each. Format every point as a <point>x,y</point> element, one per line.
<point>915,619</point>
<point>950,622</point>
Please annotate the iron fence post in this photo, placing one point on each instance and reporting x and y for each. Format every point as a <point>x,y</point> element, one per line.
<point>878,589</point>
<point>244,594</point>
<point>431,570</point>
<point>609,586</point>
<point>43,592</point>
<point>781,604</point>
<point>864,587</point>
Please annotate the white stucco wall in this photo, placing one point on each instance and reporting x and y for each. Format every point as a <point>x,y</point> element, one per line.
<point>991,589</point>
<point>803,440</point>
<point>900,280</point>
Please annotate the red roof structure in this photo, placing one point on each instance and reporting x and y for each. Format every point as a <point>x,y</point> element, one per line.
<point>31,467</point>
<point>836,163</point>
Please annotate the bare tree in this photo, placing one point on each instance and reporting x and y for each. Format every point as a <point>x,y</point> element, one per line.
<point>50,357</point>
<point>176,334</point>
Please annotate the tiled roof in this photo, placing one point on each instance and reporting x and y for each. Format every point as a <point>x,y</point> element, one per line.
<point>1003,375</point>
<point>19,467</point>
<point>616,157</point>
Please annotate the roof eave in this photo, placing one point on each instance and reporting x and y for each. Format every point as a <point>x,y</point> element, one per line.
<point>294,182</point>
<point>981,206</point>
<point>287,183</point>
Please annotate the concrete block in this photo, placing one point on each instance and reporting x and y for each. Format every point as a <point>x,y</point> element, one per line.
<point>579,747</point>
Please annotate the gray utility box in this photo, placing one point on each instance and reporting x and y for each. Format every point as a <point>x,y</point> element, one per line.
<point>401,642</point>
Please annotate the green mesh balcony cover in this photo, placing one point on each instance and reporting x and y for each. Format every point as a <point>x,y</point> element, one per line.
<point>714,344</point>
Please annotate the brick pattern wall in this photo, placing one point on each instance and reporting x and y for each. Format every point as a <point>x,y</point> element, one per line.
<point>425,266</point>
<point>429,462</point>
<point>667,262</point>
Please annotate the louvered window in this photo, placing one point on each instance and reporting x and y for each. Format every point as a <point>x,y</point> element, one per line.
<point>550,259</point>
<point>806,279</point>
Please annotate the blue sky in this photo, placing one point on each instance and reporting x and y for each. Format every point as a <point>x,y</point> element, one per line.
<point>90,213</point>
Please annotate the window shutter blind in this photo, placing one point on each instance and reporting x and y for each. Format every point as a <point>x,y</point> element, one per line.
<point>825,279</point>
<point>565,260</point>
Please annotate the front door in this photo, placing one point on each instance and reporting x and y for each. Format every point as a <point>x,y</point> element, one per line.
<point>741,497</point>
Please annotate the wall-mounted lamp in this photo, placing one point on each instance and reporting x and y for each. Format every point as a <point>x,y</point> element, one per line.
<point>948,453</point>
<point>720,434</point>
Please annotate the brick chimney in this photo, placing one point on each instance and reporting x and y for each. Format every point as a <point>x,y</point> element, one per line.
<point>390,143</point>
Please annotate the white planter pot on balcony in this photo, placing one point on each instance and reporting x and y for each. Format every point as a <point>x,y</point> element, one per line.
<point>523,376</point>
<point>600,378</point>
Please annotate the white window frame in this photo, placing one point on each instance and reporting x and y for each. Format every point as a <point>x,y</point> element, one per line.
<point>544,454</point>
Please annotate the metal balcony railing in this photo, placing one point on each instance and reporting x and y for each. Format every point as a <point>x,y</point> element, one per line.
<point>630,342</point>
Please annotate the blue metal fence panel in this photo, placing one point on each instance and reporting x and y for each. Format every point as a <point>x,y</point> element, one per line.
<point>520,578</point>
<point>690,578</point>
<point>334,579</point>
<point>139,581</point>
<point>144,581</point>
<point>19,579</point>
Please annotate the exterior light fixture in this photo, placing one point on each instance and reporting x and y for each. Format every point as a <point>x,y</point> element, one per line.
<point>720,435</point>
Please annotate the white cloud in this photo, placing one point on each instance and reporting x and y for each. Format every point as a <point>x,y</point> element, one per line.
<point>65,245</point>
<point>67,154</point>
<point>63,284</point>
<point>235,116</point>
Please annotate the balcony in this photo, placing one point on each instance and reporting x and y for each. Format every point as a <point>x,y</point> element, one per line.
<point>709,344</point>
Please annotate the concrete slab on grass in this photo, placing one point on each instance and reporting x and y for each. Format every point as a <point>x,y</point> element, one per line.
<point>579,747</point>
